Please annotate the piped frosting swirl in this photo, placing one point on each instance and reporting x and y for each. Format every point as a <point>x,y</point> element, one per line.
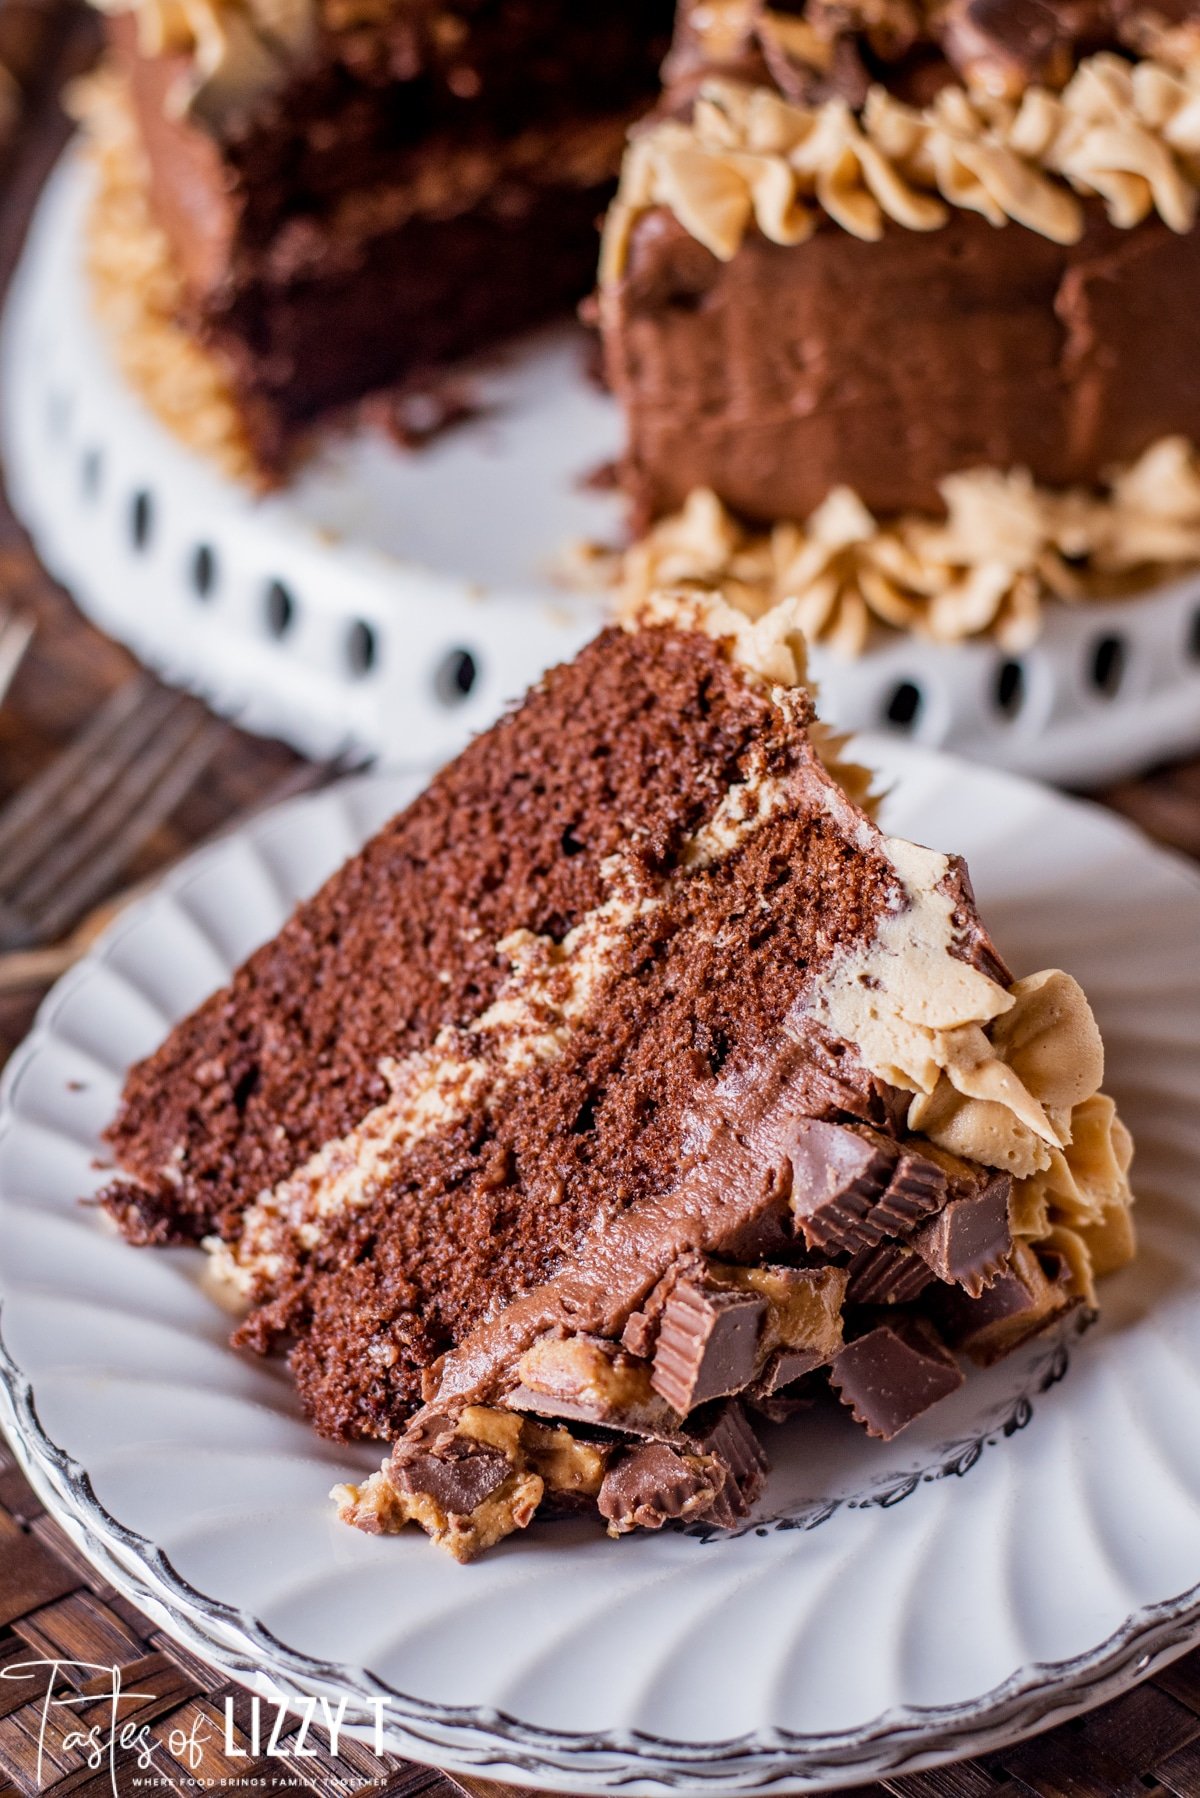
<point>1004,548</point>
<point>1127,133</point>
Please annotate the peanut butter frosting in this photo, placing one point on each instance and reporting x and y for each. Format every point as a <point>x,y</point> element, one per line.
<point>1005,547</point>
<point>1006,1077</point>
<point>1127,133</point>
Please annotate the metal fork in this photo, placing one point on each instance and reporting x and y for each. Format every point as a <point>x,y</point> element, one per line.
<point>69,835</point>
<point>16,634</point>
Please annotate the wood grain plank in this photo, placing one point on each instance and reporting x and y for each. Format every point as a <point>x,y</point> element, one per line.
<point>1107,1751</point>
<point>29,1574</point>
<point>80,1629</point>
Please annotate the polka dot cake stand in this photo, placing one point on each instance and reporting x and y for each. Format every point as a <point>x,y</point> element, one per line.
<point>395,601</point>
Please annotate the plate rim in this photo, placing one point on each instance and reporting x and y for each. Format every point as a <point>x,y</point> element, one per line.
<point>900,1739</point>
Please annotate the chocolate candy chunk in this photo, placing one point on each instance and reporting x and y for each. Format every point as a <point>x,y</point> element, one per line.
<point>729,1439</point>
<point>1033,1292</point>
<point>640,1334</point>
<point>916,1190</point>
<point>776,1398</point>
<point>651,1486</point>
<point>587,1379</point>
<point>892,1273</point>
<point>808,67</point>
<point>971,942</point>
<point>838,1177</point>
<point>1005,46</point>
<point>457,1478</point>
<point>707,1342</point>
<point>970,1240</point>
<point>852,1186</point>
<point>784,1368</point>
<point>893,1373</point>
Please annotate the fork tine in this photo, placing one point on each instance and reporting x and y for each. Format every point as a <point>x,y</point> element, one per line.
<point>83,811</point>
<point>16,634</point>
<point>36,802</point>
<point>98,873</point>
<point>134,786</point>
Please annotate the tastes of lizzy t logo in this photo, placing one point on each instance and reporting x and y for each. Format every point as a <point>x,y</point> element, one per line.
<point>86,1715</point>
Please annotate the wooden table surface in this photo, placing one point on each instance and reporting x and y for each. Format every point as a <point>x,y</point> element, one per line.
<point>52,1604</point>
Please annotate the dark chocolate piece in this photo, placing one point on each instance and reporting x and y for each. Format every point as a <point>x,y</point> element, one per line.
<point>970,1240</point>
<point>838,1179</point>
<point>640,1334</point>
<point>656,1484</point>
<point>784,1368</point>
<point>853,1186</point>
<point>916,1190</point>
<point>893,1373</point>
<point>971,942</point>
<point>457,1475</point>
<point>730,1440</point>
<point>707,1342</point>
<point>1005,46</point>
<point>788,1398</point>
<point>891,1273</point>
<point>1033,1292</point>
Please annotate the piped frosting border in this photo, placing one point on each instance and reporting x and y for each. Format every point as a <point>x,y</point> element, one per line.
<point>1005,548</point>
<point>1127,133</point>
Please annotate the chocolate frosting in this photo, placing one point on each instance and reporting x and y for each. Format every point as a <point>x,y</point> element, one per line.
<point>886,367</point>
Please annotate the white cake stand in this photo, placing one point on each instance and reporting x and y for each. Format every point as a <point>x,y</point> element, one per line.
<point>398,600</point>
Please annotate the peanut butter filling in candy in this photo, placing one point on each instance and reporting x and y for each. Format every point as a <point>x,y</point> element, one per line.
<point>660,1093</point>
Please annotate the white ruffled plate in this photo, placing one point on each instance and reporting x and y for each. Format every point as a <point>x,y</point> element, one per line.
<point>1026,1550</point>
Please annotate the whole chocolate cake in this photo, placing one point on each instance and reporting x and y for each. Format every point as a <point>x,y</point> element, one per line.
<point>895,294</point>
<point>628,1087</point>
<point>334,195</point>
<point>897,298</point>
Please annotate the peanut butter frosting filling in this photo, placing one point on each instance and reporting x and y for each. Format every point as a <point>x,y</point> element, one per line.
<point>1005,548</point>
<point>1127,133</point>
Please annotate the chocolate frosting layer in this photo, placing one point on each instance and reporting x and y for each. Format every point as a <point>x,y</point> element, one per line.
<point>888,366</point>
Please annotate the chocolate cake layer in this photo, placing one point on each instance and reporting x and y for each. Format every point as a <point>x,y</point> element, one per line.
<point>887,366</point>
<point>631,746</point>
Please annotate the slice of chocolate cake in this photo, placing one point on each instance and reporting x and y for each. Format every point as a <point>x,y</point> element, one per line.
<point>629,1084</point>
